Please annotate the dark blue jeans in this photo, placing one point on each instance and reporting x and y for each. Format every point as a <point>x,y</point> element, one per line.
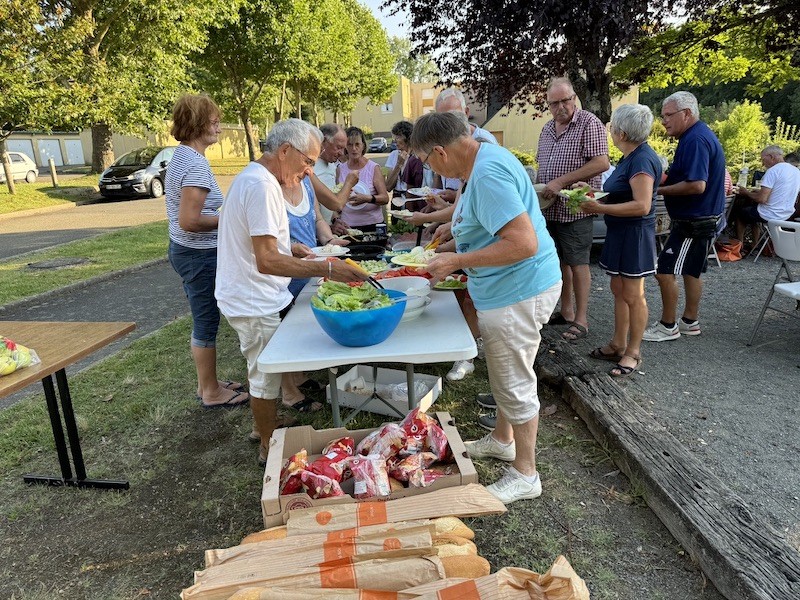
<point>198,271</point>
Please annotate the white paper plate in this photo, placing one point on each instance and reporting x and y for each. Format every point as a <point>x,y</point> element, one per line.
<point>597,195</point>
<point>401,214</point>
<point>423,191</point>
<point>335,251</point>
<point>403,260</point>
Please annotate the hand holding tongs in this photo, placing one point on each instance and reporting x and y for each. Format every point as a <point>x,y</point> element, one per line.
<point>374,282</point>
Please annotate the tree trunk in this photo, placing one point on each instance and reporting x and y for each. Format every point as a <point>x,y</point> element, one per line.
<point>12,189</point>
<point>594,92</point>
<point>298,98</point>
<point>281,102</point>
<point>102,147</point>
<point>252,143</point>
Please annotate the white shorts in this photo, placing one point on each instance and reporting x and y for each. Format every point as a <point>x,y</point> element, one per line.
<point>254,333</point>
<point>511,339</point>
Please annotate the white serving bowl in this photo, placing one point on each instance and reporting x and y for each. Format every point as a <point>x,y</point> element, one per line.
<point>418,290</point>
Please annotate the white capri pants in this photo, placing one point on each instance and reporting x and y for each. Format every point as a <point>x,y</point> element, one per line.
<point>511,337</point>
<point>254,334</point>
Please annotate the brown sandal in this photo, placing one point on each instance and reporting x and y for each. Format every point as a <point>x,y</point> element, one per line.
<point>622,370</point>
<point>598,354</point>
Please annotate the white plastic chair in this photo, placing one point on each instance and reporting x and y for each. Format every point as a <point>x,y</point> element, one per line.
<point>785,236</point>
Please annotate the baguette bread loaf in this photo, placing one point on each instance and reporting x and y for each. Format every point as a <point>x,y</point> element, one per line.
<point>453,525</point>
<point>273,533</point>
<point>247,594</point>
<point>447,544</point>
<point>470,566</point>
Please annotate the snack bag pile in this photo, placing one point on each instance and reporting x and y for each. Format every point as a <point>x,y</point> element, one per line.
<point>15,356</point>
<point>412,453</point>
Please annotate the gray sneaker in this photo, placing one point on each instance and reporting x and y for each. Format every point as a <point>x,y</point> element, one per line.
<point>479,344</point>
<point>486,401</point>
<point>692,328</point>
<point>488,447</point>
<point>658,333</point>
<point>488,422</point>
<point>513,487</point>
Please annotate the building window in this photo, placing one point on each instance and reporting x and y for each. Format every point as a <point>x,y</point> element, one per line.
<point>387,108</point>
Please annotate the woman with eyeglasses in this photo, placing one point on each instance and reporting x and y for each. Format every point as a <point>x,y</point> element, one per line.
<point>405,169</point>
<point>193,201</point>
<point>629,252</point>
<point>364,210</point>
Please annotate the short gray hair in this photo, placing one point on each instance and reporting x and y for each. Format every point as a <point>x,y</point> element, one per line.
<point>295,132</point>
<point>683,100</point>
<point>438,129</point>
<point>560,81</point>
<point>773,149</point>
<point>634,120</point>
<point>329,131</point>
<point>450,92</point>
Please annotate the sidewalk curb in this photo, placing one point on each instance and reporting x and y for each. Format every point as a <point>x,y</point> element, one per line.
<point>82,284</point>
<point>37,211</point>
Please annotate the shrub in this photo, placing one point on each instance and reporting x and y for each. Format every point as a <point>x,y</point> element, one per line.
<point>369,133</point>
<point>526,158</point>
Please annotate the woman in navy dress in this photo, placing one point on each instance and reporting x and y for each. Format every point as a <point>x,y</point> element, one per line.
<point>629,252</point>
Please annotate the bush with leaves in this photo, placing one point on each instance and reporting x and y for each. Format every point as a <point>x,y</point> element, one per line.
<point>526,158</point>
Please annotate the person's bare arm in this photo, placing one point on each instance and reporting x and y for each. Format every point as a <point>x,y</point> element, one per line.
<point>271,261</point>
<point>517,241</point>
<point>189,209</point>
<point>593,167</point>
<point>642,187</point>
<point>683,188</point>
<point>330,200</point>
<point>760,196</point>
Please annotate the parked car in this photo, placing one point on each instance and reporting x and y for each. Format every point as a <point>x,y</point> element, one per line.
<point>22,167</point>
<point>378,144</point>
<point>392,146</point>
<point>137,173</point>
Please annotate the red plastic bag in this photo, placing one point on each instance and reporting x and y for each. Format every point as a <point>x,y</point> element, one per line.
<point>290,473</point>
<point>403,469</point>
<point>334,458</point>
<point>385,442</point>
<point>370,477</point>
<point>415,425</point>
<point>425,477</point>
<point>436,442</point>
<point>319,486</point>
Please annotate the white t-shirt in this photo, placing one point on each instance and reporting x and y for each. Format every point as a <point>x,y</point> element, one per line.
<point>391,161</point>
<point>483,136</point>
<point>784,181</point>
<point>326,173</point>
<point>254,206</point>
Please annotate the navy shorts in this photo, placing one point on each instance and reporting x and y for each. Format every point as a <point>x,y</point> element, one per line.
<point>684,255</point>
<point>629,249</point>
<point>749,214</point>
<point>198,271</point>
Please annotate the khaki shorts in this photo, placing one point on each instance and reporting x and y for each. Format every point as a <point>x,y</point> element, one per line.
<point>254,334</point>
<point>511,339</point>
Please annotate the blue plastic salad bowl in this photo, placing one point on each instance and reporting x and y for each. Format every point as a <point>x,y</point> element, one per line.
<point>361,327</point>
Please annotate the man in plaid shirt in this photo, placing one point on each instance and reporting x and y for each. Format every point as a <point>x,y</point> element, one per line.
<point>573,147</point>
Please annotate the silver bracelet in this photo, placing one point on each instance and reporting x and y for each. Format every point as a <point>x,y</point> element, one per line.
<point>330,270</point>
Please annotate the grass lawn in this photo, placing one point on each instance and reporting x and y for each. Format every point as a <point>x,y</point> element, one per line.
<point>104,253</point>
<point>229,166</point>
<point>195,485</point>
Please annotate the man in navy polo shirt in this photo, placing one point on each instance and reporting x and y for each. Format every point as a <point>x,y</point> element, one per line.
<point>694,194</point>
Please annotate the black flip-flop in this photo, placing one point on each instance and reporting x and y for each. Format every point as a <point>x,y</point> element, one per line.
<point>309,386</point>
<point>228,385</point>
<point>579,333</point>
<point>557,319</point>
<point>305,405</point>
<point>598,354</point>
<point>230,403</point>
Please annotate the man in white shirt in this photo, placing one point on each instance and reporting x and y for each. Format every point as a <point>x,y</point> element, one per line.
<point>254,257</point>
<point>776,198</point>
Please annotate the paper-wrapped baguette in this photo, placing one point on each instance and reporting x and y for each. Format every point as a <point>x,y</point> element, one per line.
<point>273,533</point>
<point>470,566</point>
<point>447,544</point>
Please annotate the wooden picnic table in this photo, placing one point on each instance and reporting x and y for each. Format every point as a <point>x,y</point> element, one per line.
<point>59,345</point>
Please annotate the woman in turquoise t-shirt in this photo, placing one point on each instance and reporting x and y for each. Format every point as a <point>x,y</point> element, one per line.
<point>501,242</point>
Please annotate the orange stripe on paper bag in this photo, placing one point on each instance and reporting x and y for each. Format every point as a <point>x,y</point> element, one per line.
<point>339,574</point>
<point>339,549</point>
<point>370,513</point>
<point>463,591</point>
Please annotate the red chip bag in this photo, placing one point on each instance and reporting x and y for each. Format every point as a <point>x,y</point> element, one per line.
<point>391,439</point>
<point>403,469</point>
<point>370,477</point>
<point>415,425</point>
<point>290,473</point>
<point>334,457</point>
<point>425,477</point>
<point>365,446</point>
<point>319,486</point>
<point>436,442</point>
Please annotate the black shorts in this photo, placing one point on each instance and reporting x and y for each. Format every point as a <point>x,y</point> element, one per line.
<point>573,240</point>
<point>749,214</point>
<point>683,255</point>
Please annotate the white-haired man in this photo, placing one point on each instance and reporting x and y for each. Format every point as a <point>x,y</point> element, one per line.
<point>775,199</point>
<point>694,195</point>
<point>573,147</point>
<point>255,262</point>
<point>334,143</point>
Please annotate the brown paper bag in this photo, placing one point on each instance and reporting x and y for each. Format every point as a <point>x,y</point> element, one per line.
<point>463,501</point>
<point>306,593</point>
<point>379,574</point>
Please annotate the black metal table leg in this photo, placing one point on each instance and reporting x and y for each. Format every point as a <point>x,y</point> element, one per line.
<point>66,478</point>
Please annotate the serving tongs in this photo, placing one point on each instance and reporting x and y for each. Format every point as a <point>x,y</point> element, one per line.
<point>432,245</point>
<point>371,280</point>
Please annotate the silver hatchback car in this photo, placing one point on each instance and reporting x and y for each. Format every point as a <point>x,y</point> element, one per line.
<point>22,167</point>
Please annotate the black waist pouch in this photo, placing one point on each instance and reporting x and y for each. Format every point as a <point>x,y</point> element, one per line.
<point>705,227</point>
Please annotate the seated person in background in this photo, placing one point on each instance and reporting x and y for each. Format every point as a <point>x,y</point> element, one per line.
<point>775,199</point>
<point>364,210</point>
<point>793,159</point>
<point>405,169</point>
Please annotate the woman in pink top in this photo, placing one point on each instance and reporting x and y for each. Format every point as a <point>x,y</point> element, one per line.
<point>364,209</point>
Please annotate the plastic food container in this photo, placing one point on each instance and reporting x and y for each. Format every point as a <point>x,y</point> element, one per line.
<point>361,327</point>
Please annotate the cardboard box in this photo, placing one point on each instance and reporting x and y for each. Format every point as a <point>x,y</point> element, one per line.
<point>386,378</point>
<point>287,441</point>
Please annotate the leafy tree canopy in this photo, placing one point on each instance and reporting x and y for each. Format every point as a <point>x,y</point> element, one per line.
<point>417,68</point>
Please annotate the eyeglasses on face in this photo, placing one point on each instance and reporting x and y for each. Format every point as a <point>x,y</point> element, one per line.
<point>307,160</point>
<point>564,101</point>
<point>666,116</point>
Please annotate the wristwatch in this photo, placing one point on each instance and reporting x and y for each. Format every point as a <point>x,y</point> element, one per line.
<point>372,199</point>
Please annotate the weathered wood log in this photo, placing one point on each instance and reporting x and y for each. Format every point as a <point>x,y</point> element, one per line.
<point>744,556</point>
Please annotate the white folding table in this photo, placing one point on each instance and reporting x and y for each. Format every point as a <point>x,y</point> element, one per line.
<point>440,334</point>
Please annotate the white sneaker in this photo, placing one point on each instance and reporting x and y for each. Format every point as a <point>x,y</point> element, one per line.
<point>461,368</point>
<point>658,333</point>
<point>489,447</point>
<point>513,487</point>
<point>692,328</point>
<point>479,344</point>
